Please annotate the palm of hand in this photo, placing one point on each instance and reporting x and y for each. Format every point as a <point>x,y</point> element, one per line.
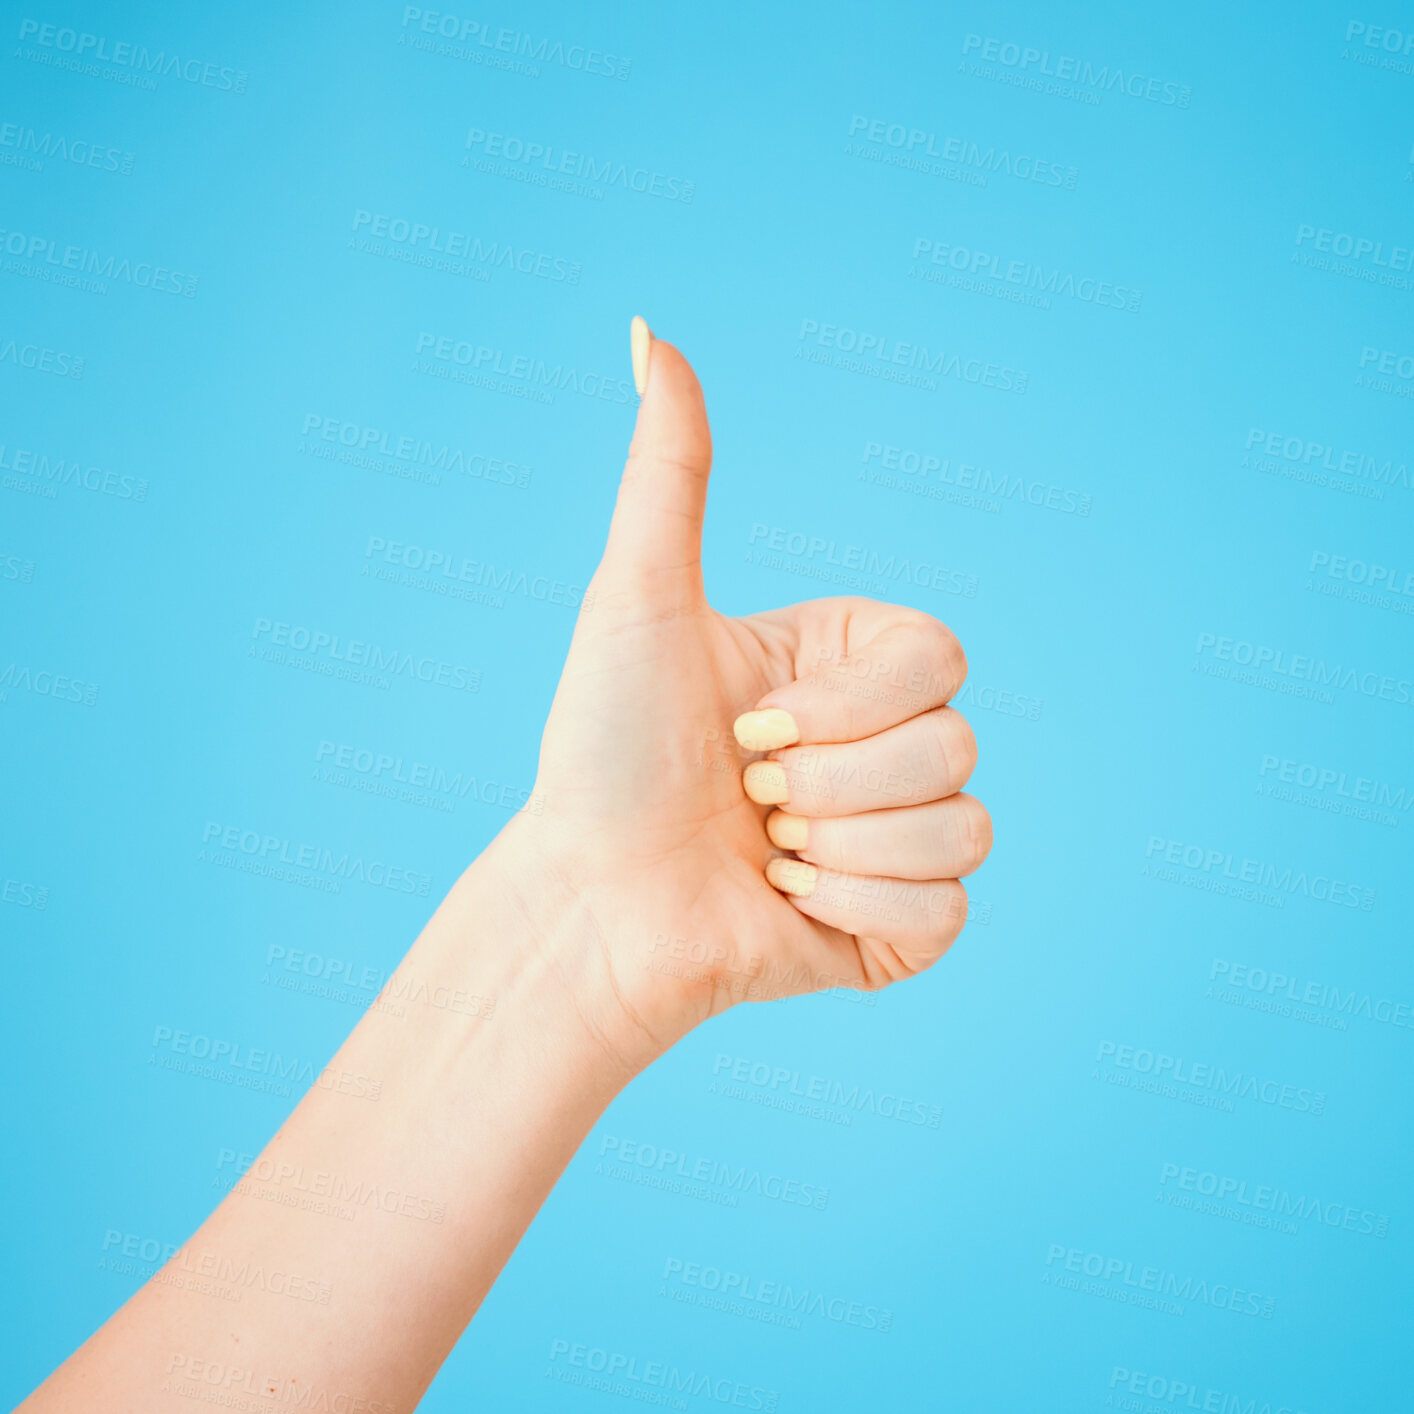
<point>639,755</point>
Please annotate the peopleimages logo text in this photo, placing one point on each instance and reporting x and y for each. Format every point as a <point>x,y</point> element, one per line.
<point>318,643</point>
<point>700,1169</point>
<point>891,567</point>
<point>535,374</point>
<point>1178,1070</point>
<point>1053,281</point>
<point>1026,59</point>
<point>463,30</point>
<point>746,1287</point>
<point>124,54</point>
<point>173,1041</point>
<point>1259,872</point>
<point>1222,1296</point>
<point>914,145</point>
<point>1184,1394</point>
<point>462,245</point>
<point>1279,988</point>
<point>782,1079</point>
<point>1265,1197</point>
<point>43,253</point>
<point>863,351</point>
<point>1304,452</point>
<point>27,143</point>
<point>1344,783</point>
<point>280,850</point>
<point>1346,243</point>
<point>582,166</point>
<point>1304,668</point>
<point>635,1378</point>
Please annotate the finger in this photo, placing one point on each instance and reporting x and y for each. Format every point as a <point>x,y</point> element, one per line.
<point>657,527</point>
<point>908,664</point>
<point>925,758</point>
<point>917,918</point>
<point>945,839</point>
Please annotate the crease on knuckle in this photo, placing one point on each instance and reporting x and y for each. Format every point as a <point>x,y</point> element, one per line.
<point>954,661</point>
<point>968,739</point>
<point>979,829</point>
<point>649,462</point>
<point>946,921</point>
<point>938,757</point>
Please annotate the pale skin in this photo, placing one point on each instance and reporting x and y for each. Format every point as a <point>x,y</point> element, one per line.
<point>633,908</point>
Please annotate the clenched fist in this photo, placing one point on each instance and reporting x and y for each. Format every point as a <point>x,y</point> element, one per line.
<point>738,808</point>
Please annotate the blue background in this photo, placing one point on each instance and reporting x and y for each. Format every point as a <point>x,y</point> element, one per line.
<point>1112,729</point>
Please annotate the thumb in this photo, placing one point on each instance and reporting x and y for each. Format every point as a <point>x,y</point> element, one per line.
<point>657,526</point>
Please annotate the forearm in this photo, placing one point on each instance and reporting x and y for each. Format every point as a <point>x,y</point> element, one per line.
<point>488,1078</point>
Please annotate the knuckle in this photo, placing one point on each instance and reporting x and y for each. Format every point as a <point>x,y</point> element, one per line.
<point>854,716</point>
<point>944,649</point>
<point>946,911</point>
<point>959,664</point>
<point>651,461</point>
<point>830,845</point>
<point>978,824</point>
<point>811,787</point>
<point>967,742</point>
<point>954,747</point>
<point>942,755</point>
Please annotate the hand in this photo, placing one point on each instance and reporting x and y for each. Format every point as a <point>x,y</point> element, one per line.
<point>692,891</point>
<point>676,868</point>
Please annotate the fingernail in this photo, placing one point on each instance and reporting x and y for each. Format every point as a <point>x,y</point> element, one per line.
<point>765,783</point>
<point>792,876</point>
<point>788,831</point>
<point>640,346</point>
<point>766,730</point>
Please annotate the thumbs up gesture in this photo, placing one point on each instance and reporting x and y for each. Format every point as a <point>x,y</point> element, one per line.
<point>738,808</point>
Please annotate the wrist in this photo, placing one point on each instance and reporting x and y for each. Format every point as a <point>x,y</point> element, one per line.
<point>536,948</point>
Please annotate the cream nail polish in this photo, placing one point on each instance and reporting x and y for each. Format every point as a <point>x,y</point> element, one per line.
<point>766,730</point>
<point>640,347</point>
<point>788,831</point>
<point>792,876</point>
<point>765,783</point>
